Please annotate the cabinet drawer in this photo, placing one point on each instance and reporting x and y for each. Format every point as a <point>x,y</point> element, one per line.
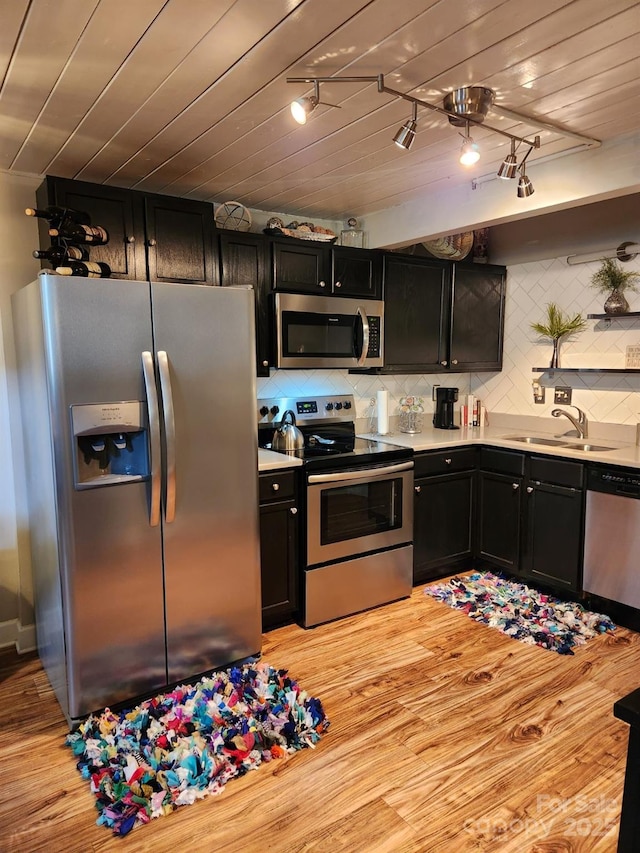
<point>277,486</point>
<point>555,471</point>
<point>444,461</point>
<point>502,461</point>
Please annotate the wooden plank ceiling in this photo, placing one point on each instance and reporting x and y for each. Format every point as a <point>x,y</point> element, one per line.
<point>189,97</point>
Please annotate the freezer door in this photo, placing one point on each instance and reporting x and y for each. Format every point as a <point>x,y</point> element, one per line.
<point>110,557</point>
<point>204,344</point>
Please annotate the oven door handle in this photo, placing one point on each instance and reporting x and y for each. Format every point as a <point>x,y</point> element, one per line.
<point>368,473</point>
<point>362,314</point>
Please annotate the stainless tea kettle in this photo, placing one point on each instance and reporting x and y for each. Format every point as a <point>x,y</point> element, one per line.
<point>287,438</point>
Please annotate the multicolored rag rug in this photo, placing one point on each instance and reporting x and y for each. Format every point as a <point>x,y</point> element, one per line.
<point>521,612</point>
<point>181,746</point>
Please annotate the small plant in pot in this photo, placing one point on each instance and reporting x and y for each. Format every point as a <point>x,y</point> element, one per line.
<point>557,326</point>
<point>614,280</point>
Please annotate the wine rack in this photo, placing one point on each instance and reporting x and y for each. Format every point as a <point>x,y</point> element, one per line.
<point>72,235</point>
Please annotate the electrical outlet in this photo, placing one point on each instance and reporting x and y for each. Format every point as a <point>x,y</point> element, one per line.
<point>433,392</point>
<point>562,395</point>
<point>538,392</point>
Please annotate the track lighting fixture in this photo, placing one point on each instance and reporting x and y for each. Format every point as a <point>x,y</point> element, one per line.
<point>509,166</point>
<point>469,153</point>
<point>407,133</point>
<point>525,187</point>
<point>302,108</point>
<point>463,107</point>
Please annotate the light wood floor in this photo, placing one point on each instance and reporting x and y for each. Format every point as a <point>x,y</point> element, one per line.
<point>445,736</point>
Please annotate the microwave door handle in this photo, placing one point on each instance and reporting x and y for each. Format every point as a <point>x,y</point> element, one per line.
<point>362,313</point>
<point>153,410</point>
<point>170,436</point>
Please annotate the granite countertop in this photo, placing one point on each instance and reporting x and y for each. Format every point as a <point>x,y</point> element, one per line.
<point>617,452</point>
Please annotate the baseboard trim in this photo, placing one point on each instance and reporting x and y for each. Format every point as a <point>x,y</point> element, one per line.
<point>21,637</point>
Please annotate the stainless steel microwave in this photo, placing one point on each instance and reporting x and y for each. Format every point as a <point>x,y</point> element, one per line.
<point>326,331</point>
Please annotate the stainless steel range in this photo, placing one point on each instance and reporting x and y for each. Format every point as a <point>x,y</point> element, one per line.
<point>357,547</point>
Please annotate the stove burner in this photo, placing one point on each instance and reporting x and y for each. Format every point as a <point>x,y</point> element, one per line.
<point>329,434</point>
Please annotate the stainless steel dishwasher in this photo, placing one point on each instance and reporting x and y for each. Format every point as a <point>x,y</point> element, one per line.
<point>612,536</point>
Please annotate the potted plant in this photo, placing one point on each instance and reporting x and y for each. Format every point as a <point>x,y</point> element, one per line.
<point>557,326</point>
<point>614,280</point>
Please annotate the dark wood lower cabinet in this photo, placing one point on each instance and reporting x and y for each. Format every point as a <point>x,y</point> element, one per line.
<point>530,512</point>
<point>499,519</point>
<point>278,547</point>
<point>443,510</point>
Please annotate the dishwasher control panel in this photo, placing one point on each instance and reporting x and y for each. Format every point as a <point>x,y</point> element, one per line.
<point>613,481</point>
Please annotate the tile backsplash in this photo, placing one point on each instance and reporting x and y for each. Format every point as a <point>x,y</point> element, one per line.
<point>612,398</point>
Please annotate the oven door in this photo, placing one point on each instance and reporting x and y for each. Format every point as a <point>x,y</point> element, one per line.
<point>357,511</point>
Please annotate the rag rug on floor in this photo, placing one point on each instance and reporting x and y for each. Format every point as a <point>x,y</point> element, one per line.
<point>521,612</point>
<point>182,745</point>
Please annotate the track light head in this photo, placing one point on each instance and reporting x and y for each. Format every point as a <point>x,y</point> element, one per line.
<point>525,187</point>
<point>406,134</point>
<point>302,108</point>
<point>509,166</point>
<point>470,152</point>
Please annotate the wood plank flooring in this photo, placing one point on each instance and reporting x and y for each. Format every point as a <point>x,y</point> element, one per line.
<point>445,737</point>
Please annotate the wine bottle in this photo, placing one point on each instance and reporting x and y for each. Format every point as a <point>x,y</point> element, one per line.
<point>88,269</point>
<point>77,233</point>
<point>59,214</point>
<point>59,255</point>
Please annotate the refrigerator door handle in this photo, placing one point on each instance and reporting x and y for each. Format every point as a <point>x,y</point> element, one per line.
<point>170,436</point>
<point>154,436</point>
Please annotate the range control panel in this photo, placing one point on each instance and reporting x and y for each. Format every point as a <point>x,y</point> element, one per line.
<point>311,409</point>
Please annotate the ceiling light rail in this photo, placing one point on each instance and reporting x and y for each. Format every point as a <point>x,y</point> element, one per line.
<point>464,106</point>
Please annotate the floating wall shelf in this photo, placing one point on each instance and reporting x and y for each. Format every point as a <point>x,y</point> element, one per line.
<point>631,314</point>
<point>585,370</point>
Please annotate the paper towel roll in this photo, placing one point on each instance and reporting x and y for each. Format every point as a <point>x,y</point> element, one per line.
<point>383,412</point>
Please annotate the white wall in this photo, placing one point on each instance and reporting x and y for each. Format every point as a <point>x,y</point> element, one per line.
<point>610,398</point>
<point>17,268</point>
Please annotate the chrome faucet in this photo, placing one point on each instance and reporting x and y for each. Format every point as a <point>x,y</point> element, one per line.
<point>581,424</point>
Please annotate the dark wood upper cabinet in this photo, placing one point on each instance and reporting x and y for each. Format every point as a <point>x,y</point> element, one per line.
<point>110,207</point>
<point>415,316</point>
<point>243,261</point>
<point>356,272</point>
<point>300,267</point>
<point>477,317</point>
<point>441,317</point>
<point>155,237</point>
<point>180,236</point>
<point>323,269</point>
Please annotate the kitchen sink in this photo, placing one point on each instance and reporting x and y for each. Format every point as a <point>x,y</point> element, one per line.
<point>559,442</point>
<point>534,439</point>
<point>580,445</point>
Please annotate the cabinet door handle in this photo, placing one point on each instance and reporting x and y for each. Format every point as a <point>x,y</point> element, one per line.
<point>322,284</point>
<point>529,489</point>
<point>417,489</point>
<point>152,242</point>
<point>294,510</point>
<point>275,487</point>
<point>265,363</point>
<point>454,361</point>
<point>131,239</point>
<point>515,486</point>
<point>444,363</point>
<point>338,284</point>
<point>448,461</point>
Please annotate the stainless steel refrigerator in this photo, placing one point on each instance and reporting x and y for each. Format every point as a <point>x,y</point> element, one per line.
<point>138,405</point>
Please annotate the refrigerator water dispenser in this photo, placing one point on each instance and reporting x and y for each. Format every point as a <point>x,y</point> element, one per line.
<point>110,444</point>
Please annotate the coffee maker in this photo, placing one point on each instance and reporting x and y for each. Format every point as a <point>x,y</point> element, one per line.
<point>443,416</point>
